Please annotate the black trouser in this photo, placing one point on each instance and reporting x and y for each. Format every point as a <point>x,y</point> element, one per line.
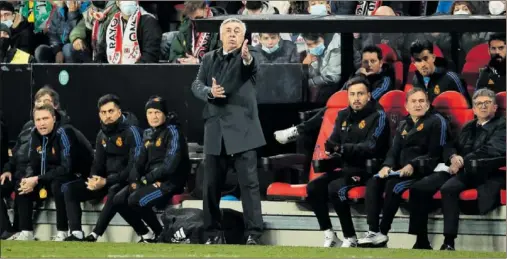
<point>5,224</point>
<point>144,199</point>
<point>421,197</point>
<point>245,164</point>
<point>333,187</point>
<point>25,205</point>
<point>308,134</point>
<point>122,198</point>
<point>77,192</point>
<point>375,201</point>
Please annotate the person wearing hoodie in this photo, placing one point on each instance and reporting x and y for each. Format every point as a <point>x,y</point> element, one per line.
<point>56,159</point>
<point>432,73</point>
<point>162,168</point>
<point>66,16</point>
<point>189,45</point>
<point>7,53</point>
<point>117,149</point>
<point>133,36</point>
<point>21,36</point>
<point>361,132</point>
<point>275,50</point>
<point>90,33</point>
<point>493,75</point>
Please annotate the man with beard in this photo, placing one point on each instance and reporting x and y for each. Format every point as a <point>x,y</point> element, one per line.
<point>493,75</point>
<point>9,54</point>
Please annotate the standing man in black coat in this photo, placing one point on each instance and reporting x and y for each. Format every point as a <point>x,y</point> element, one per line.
<point>232,130</point>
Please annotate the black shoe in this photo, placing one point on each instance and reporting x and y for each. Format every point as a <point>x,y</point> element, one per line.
<point>90,238</point>
<point>252,240</point>
<point>447,247</point>
<point>73,238</point>
<point>216,240</point>
<point>424,246</point>
<point>6,235</point>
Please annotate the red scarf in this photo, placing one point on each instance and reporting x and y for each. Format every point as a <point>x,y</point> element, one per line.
<point>200,47</point>
<point>122,47</point>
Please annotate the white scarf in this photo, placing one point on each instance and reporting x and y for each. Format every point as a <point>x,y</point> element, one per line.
<point>123,47</point>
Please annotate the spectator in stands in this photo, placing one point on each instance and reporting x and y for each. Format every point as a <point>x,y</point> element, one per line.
<point>21,36</point>
<point>422,135</point>
<point>481,138</point>
<point>117,147</point>
<point>319,7</point>
<point>66,16</point>
<point>90,33</point>
<point>37,13</point>
<point>361,132</point>
<point>275,50</point>
<point>234,103</point>
<point>324,59</point>
<point>343,7</point>
<point>140,42</point>
<point>380,74</point>
<point>256,8</point>
<point>9,54</point>
<point>497,7</point>
<point>432,74</point>
<point>55,159</point>
<point>162,168</point>
<point>189,46</point>
<point>493,75</point>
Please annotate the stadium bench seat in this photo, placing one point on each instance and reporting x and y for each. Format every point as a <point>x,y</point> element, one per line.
<point>478,53</point>
<point>470,73</point>
<point>394,106</point>
<point>500,101</point>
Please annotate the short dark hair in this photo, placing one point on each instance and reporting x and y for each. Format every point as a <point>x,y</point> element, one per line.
<point>107,99</point>
<point>416,90</point>
<point>6,6</point>
<point>358,80</point>
<point>47,89</point>
<point>371,49</point>
<point>192,6</point>
<point>269,33</point>
<point>467,3</point>
<point>44,107</point>
<point>419,46</point>
<point>312,36</point>
<point>496,36</point>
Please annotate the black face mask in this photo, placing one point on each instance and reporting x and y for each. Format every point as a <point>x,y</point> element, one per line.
<point>253,5</point>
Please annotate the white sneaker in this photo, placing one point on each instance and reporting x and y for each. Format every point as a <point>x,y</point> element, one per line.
<point>287,135</point>
<point>14,236</point>
<point>349,242</point>
<point>373,238</point>
<point>25,236</point>
<point>330,239</point>
<point>60,236</point>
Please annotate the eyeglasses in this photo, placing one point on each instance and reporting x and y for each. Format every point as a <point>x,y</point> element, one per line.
<point>485,104</point>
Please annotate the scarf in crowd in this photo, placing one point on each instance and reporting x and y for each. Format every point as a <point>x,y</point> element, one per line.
<point>201,46</point>
<point>122,46</point>
<point>367,7</point>
<point>97,21</point>
<point>36,12</point>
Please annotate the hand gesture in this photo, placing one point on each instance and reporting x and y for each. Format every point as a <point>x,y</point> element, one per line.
<point>78,44</point>
<point>6,175</point>
<point>188,60</point>
<point>384,172</point>
<point>245,52</point>
<point>309,59</point>
<point>457,161</point>
<point>364,72</point>
<point>453,169</point>
<point>217,90</point>
<point>407,171</point>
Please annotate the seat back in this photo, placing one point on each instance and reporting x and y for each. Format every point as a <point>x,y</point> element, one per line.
<point>500,101</point>
<point>454,107</point>
<point>398,74</point>
<point>479,53</point>
<point>388,53</point>
<point>394,106</point>
<point>336,103</point>
<point>437,51</point>
<point>470,73</point>
<point>408,87</point>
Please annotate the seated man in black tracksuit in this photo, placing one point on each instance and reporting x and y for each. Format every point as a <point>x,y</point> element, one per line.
<point>432,74</point>
<point>422,135</point>
<point>361,132</point>
<point>493,75</point>
<point>162,168</point>
<point>56,159</point>
<point>117,148</point>
<point>481,138</point>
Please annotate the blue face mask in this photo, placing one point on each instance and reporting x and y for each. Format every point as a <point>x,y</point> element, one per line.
<point>318,9</point>
<point>318,50</point>
<point>272,49</point>
<point>128,8</point>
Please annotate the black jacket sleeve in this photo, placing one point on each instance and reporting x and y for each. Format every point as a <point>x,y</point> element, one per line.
<point>66,141</point>
<point>333,142</point>
<point>248,72</point>
<point>99,160</point>
<point>150,43</point>
<point>199,87</point>
<point>34,159</point>
<point>482,81</point>
<point>377,136</point>
<point>138,170</point>
<point>135,144</point>
<point>456,83</point>
<point>10,165</point>
<point>393,155</point>
<point>172,158</point>
<point>494,147</point>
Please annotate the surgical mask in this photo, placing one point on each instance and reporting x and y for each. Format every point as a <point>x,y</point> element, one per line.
<point>462,12</point>
<point>496,7</point>
<point>128,8</point>
<point>8,23</point>
<point>318,9</point>
<point>318,50</point>
<point>272,49</point>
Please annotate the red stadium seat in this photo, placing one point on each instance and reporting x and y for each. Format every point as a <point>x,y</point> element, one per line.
<point>437,51</point>
<point>394,106</point>
<point>503,197</point>
<point>470,74</point>
<point>388,53</point>
<point>398,74</point>
<point>454,106</point>
<point>479,53</point>
<point>500,101</point>
<point>408,87</point>
<point>179,198</point>
<point>406,195</point>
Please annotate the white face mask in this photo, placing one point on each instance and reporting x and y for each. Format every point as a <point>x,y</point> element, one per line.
<point>496,7</point>
<point>461,12</point>
<point>128,8</point>
<point>8,23</point>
